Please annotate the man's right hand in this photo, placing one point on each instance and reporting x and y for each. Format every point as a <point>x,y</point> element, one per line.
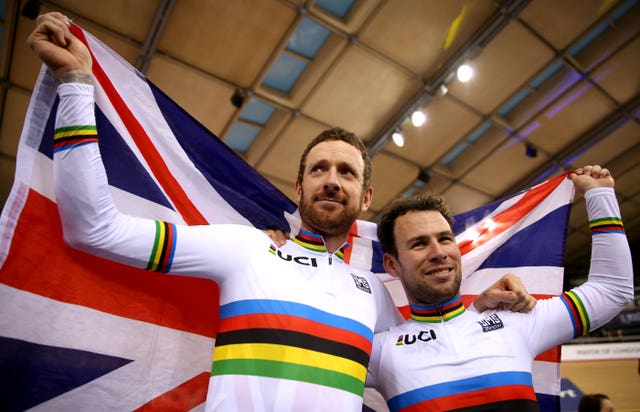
<point>590,177</point>
<point>64,54</point>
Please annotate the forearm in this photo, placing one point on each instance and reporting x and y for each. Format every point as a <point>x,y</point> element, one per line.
<point>610,283</point>
<point>91,221</point>
<point>79,176</point>
<point>81,78</point>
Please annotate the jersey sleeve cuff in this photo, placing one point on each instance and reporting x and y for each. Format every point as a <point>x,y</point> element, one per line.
<point>604,211</point>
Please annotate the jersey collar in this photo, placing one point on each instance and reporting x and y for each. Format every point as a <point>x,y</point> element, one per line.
<point>314,242</point>
<point>438,313</point>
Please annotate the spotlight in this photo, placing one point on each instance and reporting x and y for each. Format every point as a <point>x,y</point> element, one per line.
<point>31,9</point>
<point>444,89</point>
<point>238,98</point>
<point>465,73</point>
<point>418,118</point>
<point>424,176</point>
<point>398,138</point>
<point>530,150</point>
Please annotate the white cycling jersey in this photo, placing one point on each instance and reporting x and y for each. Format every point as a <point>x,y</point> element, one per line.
<point>447,358</point>
<point>296,322</point>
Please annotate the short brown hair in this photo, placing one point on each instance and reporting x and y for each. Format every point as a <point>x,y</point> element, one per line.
<point>591,402</point>
<point>337,133</point>
<point>402,205</point>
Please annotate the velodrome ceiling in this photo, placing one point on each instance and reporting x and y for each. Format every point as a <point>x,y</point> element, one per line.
<point>560,78</point>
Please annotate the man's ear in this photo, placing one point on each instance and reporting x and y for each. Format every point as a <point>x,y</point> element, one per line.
<point>390,264</point>
<point>366,199</point>
<point>297,188</point>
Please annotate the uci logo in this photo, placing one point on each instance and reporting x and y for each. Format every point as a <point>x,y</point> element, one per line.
<point>424,336</point>
<point>301,260</point>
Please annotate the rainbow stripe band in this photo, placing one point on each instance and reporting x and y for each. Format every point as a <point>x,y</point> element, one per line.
<point>578,313</point>
<point>606,225</point>
<point>438,313</point>
<point>314,242</point>
<point>288,340</point>
<point>164,247</point>
<point>282,370</point>
<point>501,391</point>
<point>73,136</point>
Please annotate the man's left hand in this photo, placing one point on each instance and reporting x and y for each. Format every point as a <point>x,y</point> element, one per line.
<point>508,293</point>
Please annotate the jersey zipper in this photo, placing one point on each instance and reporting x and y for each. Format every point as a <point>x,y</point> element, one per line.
<point>445,332</point>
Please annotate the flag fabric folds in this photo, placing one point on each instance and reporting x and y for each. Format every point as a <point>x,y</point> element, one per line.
<point>81,333</point>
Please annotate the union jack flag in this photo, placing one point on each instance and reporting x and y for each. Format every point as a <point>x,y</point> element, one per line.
<point>81,333</point>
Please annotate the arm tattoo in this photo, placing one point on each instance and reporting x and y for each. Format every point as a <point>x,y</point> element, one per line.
<point>75,78</point>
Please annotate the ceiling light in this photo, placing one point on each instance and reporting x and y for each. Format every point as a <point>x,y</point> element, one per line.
<point>238,98</point>
<point>418,118</point>
<point>444,89</point>
<point>424,176</point>
<point>465,73</point>
<point>398,139</point>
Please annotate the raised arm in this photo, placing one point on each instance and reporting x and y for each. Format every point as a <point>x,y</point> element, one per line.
<point>609,287</point>
<point>90,219</point>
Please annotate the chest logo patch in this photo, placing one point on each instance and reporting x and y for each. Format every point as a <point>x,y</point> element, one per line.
<point>423,336</point>
<point>361,283</point>
<point>493,322</point>
<point>301,260</point>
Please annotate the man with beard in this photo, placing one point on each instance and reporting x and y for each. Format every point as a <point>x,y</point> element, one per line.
<point>296,321</point>
<point>447,358</point>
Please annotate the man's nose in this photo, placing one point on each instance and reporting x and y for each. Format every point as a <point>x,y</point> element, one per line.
<point>332,183</point>
<point>436,251</point>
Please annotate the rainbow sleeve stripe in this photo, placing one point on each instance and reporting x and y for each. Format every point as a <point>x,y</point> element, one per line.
<point>606,225</point>
<point>579,317</point>
<point>289,340</point>
<point>73,136</point>
<point>164,247</point>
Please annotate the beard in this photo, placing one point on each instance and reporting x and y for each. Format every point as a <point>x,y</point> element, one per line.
<point>324,221</point>
<point>428,295</point>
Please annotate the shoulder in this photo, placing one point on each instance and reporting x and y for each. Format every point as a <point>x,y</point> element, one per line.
<point>241,230</point>
<point>393,332</point>
<point>241,236</point>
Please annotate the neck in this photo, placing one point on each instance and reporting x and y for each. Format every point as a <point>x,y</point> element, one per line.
<point>331,242</point>
<point>334,243</point>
